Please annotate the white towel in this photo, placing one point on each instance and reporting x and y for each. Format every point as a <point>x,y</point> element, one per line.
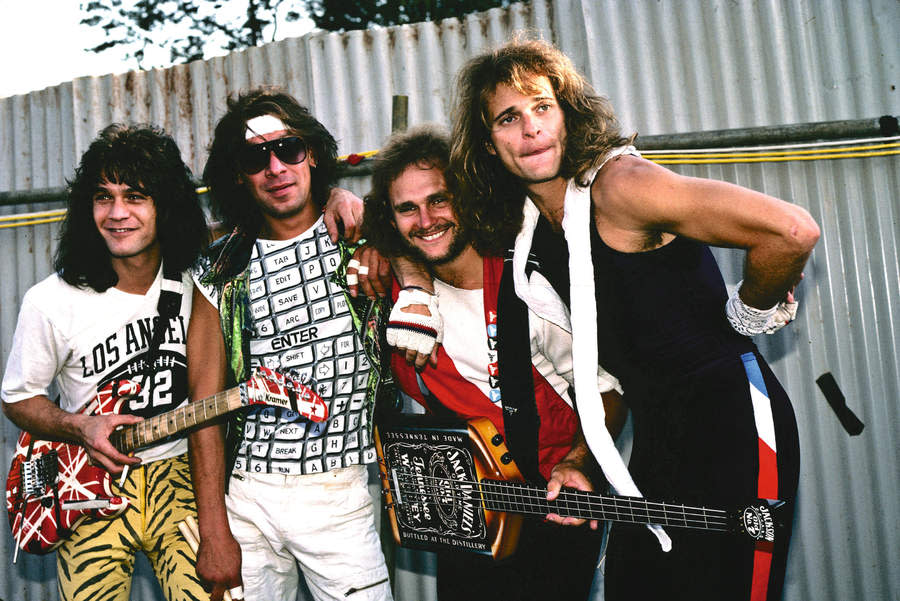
<point>576,226</point>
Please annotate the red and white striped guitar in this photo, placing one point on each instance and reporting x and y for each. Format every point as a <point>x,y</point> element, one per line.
<point>52,487</point>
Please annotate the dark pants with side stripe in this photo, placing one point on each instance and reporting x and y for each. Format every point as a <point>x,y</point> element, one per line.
<point>551,562</point>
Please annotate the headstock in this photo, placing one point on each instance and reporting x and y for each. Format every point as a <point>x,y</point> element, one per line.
<point>269,387</point>
<point>761,521</point>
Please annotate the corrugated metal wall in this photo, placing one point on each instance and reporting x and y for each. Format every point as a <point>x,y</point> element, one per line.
<point>667,66</point>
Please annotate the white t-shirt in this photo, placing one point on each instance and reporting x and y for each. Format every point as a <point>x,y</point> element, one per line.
<point>85,339</point>
<point>303,327</point>
<point>465,341</point>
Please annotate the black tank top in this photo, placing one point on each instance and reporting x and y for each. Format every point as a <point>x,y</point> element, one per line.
<point>660,313</point>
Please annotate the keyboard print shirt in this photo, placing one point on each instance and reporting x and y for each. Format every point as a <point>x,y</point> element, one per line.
<point>304,328</point>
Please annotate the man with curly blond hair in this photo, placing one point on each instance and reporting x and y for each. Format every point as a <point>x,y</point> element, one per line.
<point>540,163</point>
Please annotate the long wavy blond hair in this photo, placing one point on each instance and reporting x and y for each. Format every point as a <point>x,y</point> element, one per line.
<point>490,198</point>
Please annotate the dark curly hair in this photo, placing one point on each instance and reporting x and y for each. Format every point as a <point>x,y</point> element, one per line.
<point>427,146</point>
<point>490,197</point>
<point>147,159</point>
<point>232,203</point>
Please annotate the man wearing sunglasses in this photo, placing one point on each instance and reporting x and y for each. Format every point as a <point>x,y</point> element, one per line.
<point>276,489</point>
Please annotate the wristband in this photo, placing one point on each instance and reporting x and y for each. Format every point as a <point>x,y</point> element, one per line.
<point>417,288</point>
<point>750,321</point>
<point>413,331</point>
<point>236,592</point>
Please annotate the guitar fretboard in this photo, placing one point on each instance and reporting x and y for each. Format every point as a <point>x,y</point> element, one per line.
<point>518,497</point>
<point>172,422</point>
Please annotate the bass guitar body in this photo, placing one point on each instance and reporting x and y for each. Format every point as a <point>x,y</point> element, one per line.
<point>432,496</point>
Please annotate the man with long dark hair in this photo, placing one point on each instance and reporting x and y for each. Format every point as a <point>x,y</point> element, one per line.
<point>279,487</point>
<point>540,158</point>
<point>133,228</point>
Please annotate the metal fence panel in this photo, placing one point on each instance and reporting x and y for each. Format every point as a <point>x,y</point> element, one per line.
<point>667,67</point>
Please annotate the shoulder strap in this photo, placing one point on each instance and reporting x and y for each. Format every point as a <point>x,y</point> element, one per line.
<point>170,294</point>
<point>520,414</point>
<point>169,305</point>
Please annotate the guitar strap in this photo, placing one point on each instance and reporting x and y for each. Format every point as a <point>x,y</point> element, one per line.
<point>514,368</point>
<point>509,355</point>
<point>767,479</point>
<point>169,305</point>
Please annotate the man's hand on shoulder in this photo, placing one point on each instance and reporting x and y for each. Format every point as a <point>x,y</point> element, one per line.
<point>344,215</point>
<point>369,272</point>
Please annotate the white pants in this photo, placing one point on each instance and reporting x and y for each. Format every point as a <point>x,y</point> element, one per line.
<point>325,522</point>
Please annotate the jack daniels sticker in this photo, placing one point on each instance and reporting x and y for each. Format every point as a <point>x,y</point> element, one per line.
<point>433,481</point>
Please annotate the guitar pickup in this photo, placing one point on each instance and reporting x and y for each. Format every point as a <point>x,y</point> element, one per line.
<point>39,473</point>
<point>85,504</point>
<point>396,490</point>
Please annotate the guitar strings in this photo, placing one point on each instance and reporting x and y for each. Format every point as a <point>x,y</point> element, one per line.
<point>538,493</point>
<point>148,430</point>
<point>635,511</point>
<point>623,508</point>
<point>673,516</point>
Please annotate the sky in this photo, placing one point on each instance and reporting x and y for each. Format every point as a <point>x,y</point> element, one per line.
<point>42,44</point>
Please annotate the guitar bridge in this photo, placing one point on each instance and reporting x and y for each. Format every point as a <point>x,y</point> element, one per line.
<point>40,473</point>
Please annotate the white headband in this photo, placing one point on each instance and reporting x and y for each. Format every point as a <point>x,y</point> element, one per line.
<point>262,125</point>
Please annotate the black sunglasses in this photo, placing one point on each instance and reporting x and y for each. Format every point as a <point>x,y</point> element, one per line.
<point>253,159</point>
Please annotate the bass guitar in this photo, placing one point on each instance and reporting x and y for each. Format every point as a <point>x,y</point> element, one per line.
<point>52,486</point>
<point>452,485</point>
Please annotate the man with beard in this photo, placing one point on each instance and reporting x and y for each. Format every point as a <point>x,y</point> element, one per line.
<point>486,333</point>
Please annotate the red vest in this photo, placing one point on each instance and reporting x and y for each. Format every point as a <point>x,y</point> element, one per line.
<point>558,421</point>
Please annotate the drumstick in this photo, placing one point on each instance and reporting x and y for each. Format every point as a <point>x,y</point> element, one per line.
<point>192,524</point>
<point>191,534</point>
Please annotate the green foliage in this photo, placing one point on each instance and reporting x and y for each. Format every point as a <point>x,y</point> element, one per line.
<point>186,28</point>
<point>339,15</point>
<point>189,29</point>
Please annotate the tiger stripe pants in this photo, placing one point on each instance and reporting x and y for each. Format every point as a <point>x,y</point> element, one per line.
<point>97,562</point>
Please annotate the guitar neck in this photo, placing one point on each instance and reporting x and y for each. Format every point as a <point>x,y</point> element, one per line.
<point>518,497</point>
<point>150,430</point>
